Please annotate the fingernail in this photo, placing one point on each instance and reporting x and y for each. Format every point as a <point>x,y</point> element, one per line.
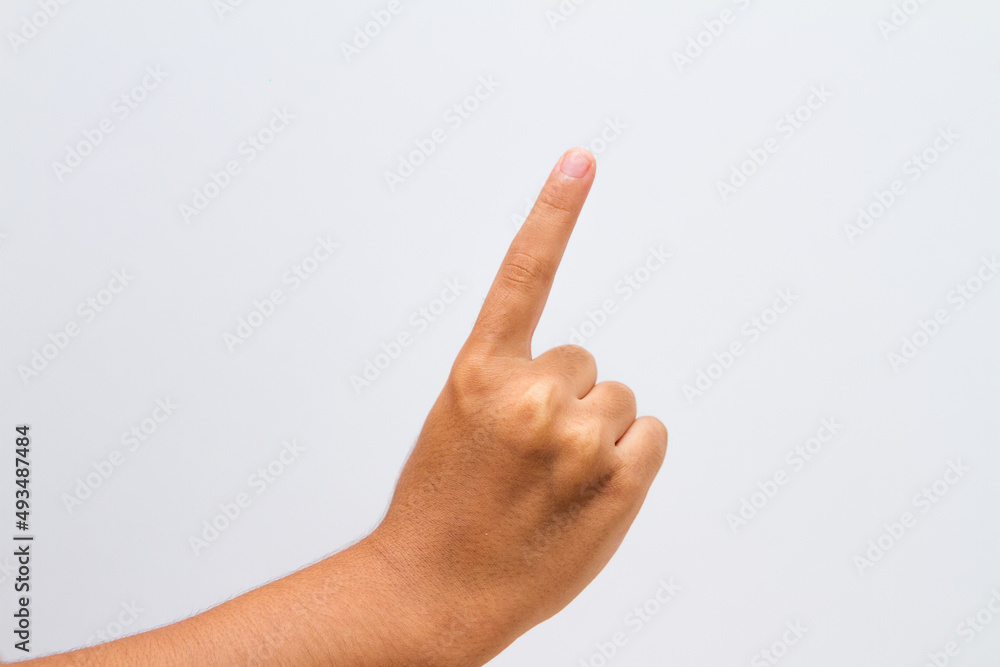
<point>575,163</point>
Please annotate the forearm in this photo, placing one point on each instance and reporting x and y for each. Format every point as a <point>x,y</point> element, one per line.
<point>352,608</point>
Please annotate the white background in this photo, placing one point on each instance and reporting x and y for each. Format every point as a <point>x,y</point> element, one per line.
<point>560,82</point>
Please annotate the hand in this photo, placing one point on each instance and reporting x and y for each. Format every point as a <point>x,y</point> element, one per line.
<point>526,475</point>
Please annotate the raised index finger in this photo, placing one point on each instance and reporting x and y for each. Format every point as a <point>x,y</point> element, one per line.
<point>519,291</point>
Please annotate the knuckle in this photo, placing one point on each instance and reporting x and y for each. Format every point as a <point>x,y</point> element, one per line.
<point>553,202</point>
<point>539,406</point>
<point>522,269</point>
<point>660,435</point>
<point>648,465</point>
<point>473,374</point>
<point>658,448</point>
<point>622,395</point>
<point>654,439</point>
<point>577,354</point>
<point>570,360</point>
<point>582,436</point>
<point>638,471</point>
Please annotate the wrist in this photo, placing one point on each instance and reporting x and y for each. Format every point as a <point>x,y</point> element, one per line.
<point>431,621</point>
<point>401,597</point>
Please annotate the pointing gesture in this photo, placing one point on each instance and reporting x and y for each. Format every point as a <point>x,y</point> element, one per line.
<point>527,473</point>
<point>515,302</point>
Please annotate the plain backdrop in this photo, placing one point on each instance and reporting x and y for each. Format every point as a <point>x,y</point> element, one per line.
<point>674,99</point>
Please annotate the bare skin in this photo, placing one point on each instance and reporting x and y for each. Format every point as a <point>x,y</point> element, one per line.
<point>524,480</point>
